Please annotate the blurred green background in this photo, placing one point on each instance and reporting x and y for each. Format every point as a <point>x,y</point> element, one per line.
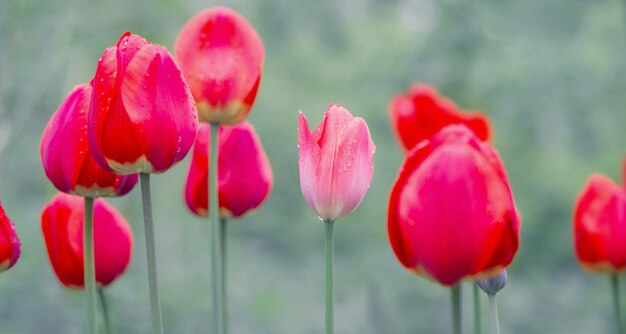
<point>550,74</point>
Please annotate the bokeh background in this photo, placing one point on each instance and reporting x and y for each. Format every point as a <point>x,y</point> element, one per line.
<point>550,75</point>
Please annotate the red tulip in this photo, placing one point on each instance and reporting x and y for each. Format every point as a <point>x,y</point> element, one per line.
<point>600,225</point>
<point>451,213</point>
<point>142,117</point>
<point>66,155</point>
<point>336,162</point>
<point>221,56</point>
<point>245,174</point>
<point>420,113</point>
<point>9,242</point>
<point>62,225</point>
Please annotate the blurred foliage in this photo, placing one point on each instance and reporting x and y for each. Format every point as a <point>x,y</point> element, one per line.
<point>550,74</point>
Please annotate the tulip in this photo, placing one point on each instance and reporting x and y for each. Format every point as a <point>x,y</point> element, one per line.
<point>66,156</point>
<point>62,226</point>
<point>143,120</point>
<point>451,212</point>
<point>245,174</point>
<point>9,242</point>
<point>142,117</point>
<point>600,231</point>
<point>336,162</point>
<point>491,286</point>
<point>421,112</point>
<point>221,56</point>
<point>245,179</point>
<point>336,168</point>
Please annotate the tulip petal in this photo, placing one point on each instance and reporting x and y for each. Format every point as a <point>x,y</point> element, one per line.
<point>107,112</point>
<point>160,106</point>
<point>309,162</point>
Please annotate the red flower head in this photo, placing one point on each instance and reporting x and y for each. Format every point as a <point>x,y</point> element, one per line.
<point>600,225</point>
<point>66,155</point>
<point>221,56</point>
<point>245,174</point>
<point>451,212</point>
<point>422,112</point>
<point>9,242</point>
<point>142,117</point>
<point>62,225</point>
<point>336,162</point>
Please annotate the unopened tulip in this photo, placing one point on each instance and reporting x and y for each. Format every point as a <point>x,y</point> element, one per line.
<point>451,212</point>
<point>66,155</point>
<point>600,225</point>
<point>9,242</point>
<point>421,112</point>
<point>221,56</point>
<point>336,162</point>
<point>142,118</point>
<point>62,225</point>
<point>245,174</point>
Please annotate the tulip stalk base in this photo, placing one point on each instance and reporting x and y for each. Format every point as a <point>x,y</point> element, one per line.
<point>105,311</point>
<point>329,226</point>
<point>616,303</point>
<point>223,225</point>
<point>493,314</point>
<point>90,266</point>
<point>155,305</point>
<point>477,319</point>
<point>456,308</point>
<point>219,305</point>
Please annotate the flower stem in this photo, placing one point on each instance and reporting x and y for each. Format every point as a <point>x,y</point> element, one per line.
<point>477,319</point>
<point>456,308</point>
<point>493,314</point>
<point>223,223</point>
<point>216,233</point>
<point>157,322</point>
<point>328,226</point>
<point>90,266</point>
<point>105,311</point>
<point>616,303</point>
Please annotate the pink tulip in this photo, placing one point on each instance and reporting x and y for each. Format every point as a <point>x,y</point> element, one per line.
<point>336,162</point>
<point>245,174</point>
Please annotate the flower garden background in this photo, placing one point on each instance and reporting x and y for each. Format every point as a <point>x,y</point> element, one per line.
<point>548,75</point>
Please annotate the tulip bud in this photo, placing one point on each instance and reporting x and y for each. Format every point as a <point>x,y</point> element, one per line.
<point>221,56</point>
<point>451,213</point>
<point>9,242</point>
<point>494,284</point>
<point>66,156</point>
<point>142,117</point>
<point>336,162</point>
<point>62,226</point>
<point>245,174</point>
<point>420,113</point>
<point>600,225</point>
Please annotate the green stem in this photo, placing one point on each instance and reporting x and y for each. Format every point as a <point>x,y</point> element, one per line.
<point>157,322</point>
<point>105,311</point>
<point>477,320</point>
<point>456,308</point>
<point>223,240</point>
<point>328,226</point>
<point>493,314</point>
<point>90,266</point>
<point>216,233</point>
<point>616,303</point>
